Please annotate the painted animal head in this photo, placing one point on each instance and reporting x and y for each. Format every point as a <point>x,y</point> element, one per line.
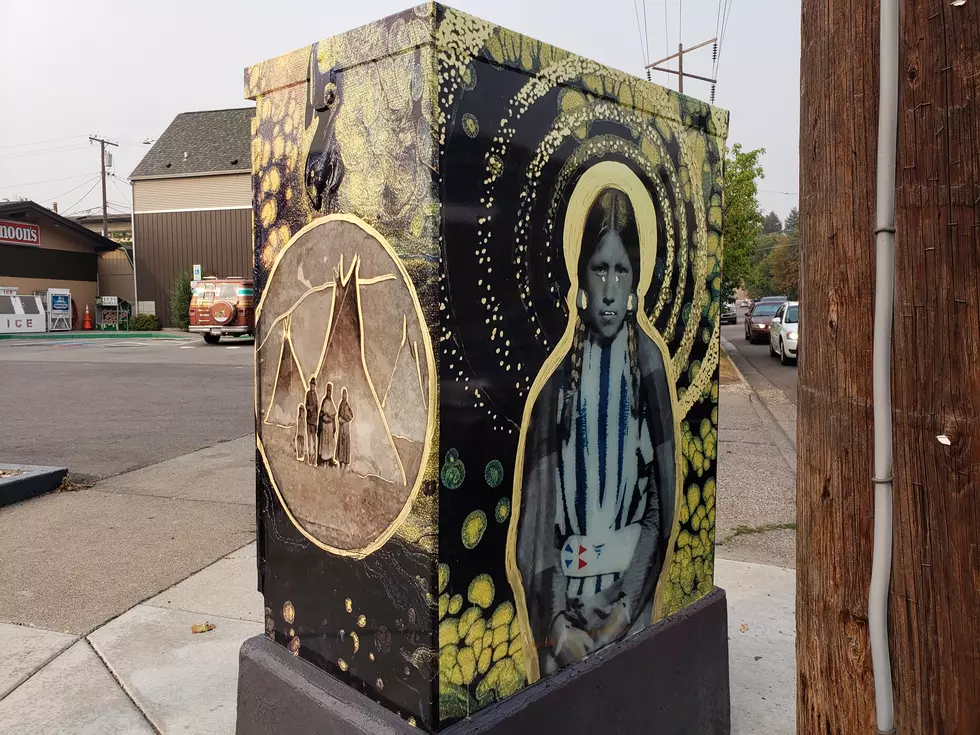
<point>324,167</point>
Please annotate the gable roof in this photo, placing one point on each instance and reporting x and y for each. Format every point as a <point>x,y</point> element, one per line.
<point>205,142</point>
<point>27,211</point>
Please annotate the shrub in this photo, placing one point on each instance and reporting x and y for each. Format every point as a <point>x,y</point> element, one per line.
<point>180,300</point>
<point>144,323</point>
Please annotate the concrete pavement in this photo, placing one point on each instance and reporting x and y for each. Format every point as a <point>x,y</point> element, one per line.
<point>73,560</point>
<point>146,672</point>
<point>756,516</point>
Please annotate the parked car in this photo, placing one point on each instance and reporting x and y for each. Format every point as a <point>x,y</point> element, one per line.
<point>757,321</point>
<point>746,303</point>
<point>784,333</point>
<point>221,307</point>
<point>772,300</point>
<point>728,314</point>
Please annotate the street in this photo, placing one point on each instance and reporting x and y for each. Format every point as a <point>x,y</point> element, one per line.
<point>773,374</point>
<point>104,406</point>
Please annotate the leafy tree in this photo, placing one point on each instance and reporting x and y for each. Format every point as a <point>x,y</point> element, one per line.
<point>742,218</point>
<point>772,224</point>
<point>180,300</point>
<point>792,221</point>
<point>784,265</point>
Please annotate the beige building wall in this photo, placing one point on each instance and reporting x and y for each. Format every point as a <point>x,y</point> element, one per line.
<point>182,193</point>
<point>56,238</point>
<point>82,292</point>
<point>116,276</point>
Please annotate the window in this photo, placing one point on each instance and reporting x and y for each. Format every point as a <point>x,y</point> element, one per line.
<point>792,315</point>
<point>228,291</point>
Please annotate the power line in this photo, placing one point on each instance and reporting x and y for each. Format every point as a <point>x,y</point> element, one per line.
<point>25,154</point>
<point>41,142</point>
<point>680,21</point>
<point>646,34</point>
<point>69,209</point>
<point>775,191</point>
<point>121,192</point>
<point>639,28</point>
<point>666,35</point>
<point>46,181</point>
<point>75,188</point>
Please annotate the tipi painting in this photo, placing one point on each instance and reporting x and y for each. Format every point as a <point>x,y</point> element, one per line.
<point>345,382</point>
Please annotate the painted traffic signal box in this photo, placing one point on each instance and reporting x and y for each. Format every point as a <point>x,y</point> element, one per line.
<point>488,274</point>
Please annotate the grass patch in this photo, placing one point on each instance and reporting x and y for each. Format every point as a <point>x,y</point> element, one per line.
<point>726,371</point>
<point>750,530</point>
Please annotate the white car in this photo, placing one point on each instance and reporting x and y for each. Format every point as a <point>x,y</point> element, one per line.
<point>784,333</point>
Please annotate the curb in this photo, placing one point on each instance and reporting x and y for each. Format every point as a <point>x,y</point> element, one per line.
<point>728,353</point>
<point>93,334</point>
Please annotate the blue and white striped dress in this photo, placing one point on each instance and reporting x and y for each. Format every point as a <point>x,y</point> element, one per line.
<point>602,490</point>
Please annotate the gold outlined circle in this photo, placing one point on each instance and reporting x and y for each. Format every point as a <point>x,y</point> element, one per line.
<point>598,178</point>
<point>431,403</point>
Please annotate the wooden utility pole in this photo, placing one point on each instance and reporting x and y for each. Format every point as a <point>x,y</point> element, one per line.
<point>655,66</point>
<point>105,202</point>
<point>934,600</point>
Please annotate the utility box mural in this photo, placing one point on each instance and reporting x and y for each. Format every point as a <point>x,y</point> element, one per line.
<point>488,275</point>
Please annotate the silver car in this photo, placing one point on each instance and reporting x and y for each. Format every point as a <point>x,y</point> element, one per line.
<point>784,333</point>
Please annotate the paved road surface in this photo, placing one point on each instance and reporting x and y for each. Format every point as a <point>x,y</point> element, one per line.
<point>757,355</point>
<point>104,406</point>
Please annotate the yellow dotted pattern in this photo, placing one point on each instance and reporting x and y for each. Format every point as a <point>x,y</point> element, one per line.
<point>481,658</point>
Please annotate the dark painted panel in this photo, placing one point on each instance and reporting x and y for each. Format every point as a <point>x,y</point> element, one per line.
<point>18,261</point>
<point>168,242</point>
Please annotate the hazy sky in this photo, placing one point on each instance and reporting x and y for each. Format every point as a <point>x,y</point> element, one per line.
<point>122,69</point>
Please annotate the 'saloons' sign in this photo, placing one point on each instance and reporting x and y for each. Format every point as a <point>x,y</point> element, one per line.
<point>19,233</point>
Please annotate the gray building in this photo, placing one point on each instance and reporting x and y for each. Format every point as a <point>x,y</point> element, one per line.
<point>192,204</point>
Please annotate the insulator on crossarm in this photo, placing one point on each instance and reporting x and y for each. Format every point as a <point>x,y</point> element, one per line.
<point>714,51</point>
<point>649,79</point>
<point>712,94</point>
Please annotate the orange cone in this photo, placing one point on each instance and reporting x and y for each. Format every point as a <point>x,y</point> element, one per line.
<point>87,323</point>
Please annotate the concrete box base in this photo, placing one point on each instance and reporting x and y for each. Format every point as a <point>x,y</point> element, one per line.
<point>670,679</point>
<point>27,481</point>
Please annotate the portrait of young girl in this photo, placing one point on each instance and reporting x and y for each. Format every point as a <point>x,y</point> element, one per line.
<point>598,467</point>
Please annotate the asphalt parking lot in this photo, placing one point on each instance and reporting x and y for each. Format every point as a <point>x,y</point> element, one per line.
<point>105,406</point>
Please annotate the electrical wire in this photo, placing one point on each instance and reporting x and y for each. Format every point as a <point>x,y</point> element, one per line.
<point>639,28</point>
<point>46,181</point>
<point>124,195</point>
<point>680,21</point>
<point>76,188</point>
<point>41,142</point>
<point>666,34</point>
<point>721,28</point>
<point>69,209</point>
<point>646,32</point>
<point>25,154</point>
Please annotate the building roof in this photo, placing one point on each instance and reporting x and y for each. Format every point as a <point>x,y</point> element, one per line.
<point>205,142</point>
<point>27,211</point>
<point>96,219</point>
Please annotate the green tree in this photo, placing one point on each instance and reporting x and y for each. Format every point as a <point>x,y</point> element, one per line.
<point>792,221</point>
<point>742,218</point>
<point>784,265</point>
<point>758,280</point>
<point>772,224</point>
<point>180,300</point>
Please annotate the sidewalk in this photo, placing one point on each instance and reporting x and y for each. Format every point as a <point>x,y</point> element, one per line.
<point>145,672</point>
<point>756,474</point>
<point>112,593</point>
